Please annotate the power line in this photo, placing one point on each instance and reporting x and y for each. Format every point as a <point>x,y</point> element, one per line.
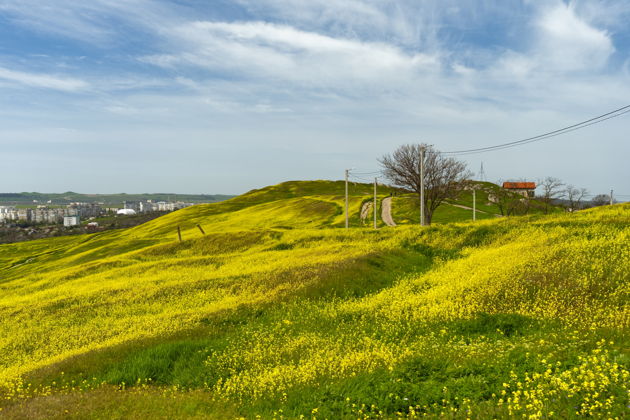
<point>365,173</point>
<point>586,123</point>
<point>347,172</point>
<point>360,178</point>
<point>612,114</point>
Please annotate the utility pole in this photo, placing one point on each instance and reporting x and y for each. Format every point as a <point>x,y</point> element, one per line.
<point>375,181</point>
<point>474,205</point>
<point>347,173</point>
<point>611,197</point>
<point>421,185</point>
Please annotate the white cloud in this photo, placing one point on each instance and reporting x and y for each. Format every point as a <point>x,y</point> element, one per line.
<point>344,14</point>
<point>612,14</point>
<point>43,80</point>
<point>562,45</point>
<point>404,23</point>
<point>94,21</point>
<point>569,43</point>
<point>262,50</point>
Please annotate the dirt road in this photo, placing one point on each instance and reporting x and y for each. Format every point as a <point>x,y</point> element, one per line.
<point>386,214</point>
<point>470,208</point>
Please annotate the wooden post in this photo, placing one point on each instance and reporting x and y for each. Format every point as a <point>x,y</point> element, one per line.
<point>179,233</point>
<point>474,205</point>
<point>375,181</point>
<point>421,163</point>
<point>347,173</point>
<point>202,232</point>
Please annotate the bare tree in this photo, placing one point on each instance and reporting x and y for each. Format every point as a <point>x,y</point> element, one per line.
<point>574,196</point>
<point>502,198</point>
<point>444,177</point>
<point>552,188</point>
<point>510,203</point>
<point>600,200</point>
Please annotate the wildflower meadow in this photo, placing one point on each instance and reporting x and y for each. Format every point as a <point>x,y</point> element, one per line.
<point>277,312</point>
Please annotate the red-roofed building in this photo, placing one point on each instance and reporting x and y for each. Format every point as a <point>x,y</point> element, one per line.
<point>526,189</point>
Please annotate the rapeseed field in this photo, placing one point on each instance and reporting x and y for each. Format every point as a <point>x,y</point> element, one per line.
<point>276,312</point>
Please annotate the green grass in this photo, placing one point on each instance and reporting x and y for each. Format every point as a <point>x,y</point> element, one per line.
<point>277,308</point>
<point>405,207</point>
<point>484,204</point>
<point>405,210</point>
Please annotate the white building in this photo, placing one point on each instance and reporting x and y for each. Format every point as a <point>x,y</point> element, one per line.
<point>148,206</point>
<point>71,221</point>
<point>126,212</point>
<point>84,210</point>
<point>7,214</point>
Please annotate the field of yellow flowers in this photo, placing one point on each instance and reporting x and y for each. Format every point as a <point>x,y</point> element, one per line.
<point>276,312</point>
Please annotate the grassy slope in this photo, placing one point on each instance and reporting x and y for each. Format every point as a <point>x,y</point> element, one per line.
<point>405,208</point>
<point>255,317</point>
<point>289,205</point>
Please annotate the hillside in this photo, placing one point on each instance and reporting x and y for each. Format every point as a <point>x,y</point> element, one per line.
<point>276,312</point>
<point>405,207</point>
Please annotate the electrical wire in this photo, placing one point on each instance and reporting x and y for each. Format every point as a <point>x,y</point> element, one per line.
<point>596,120</point>
<point>365,173</point>
<point>362,179</point>
<point>586,123</point>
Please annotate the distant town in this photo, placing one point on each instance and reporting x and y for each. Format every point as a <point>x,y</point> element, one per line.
<point>73,213</point>
<point>46,216</point>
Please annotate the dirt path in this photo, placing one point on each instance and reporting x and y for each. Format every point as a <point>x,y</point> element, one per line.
<point>365,210</point>
<point>470,208</point>
<point>386,214</point>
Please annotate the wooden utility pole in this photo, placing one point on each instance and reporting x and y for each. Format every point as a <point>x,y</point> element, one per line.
<point>347,173</point>
<point>375,181</point>
<point>421,185</point>
<point>179,233</point>
<point>474,205</point>
<point>611,197</point>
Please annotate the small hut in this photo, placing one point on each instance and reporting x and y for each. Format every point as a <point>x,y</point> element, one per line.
<point>526,189</point>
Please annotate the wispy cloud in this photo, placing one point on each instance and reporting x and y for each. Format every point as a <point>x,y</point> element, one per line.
<point>612,14</point>
<point>98,22</point>
<point>268,51</point>
<point>569,43</point>
<point>45,81</point>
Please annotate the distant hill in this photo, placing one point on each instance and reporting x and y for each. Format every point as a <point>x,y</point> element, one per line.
<point>30,198</point>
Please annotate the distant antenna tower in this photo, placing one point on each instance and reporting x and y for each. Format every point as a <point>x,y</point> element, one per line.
<point>482,174</point>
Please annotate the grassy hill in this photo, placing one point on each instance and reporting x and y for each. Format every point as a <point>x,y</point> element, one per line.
<point>405,207</point>
<point>276,312</point>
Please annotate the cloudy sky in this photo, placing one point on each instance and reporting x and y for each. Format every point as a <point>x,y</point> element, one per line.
<point>223,96</point>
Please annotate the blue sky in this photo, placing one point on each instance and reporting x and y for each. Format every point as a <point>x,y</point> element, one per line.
<point>225,96</point>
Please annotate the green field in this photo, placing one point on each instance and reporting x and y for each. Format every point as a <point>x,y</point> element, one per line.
<point>406,206</point>
<point>277,312</point>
